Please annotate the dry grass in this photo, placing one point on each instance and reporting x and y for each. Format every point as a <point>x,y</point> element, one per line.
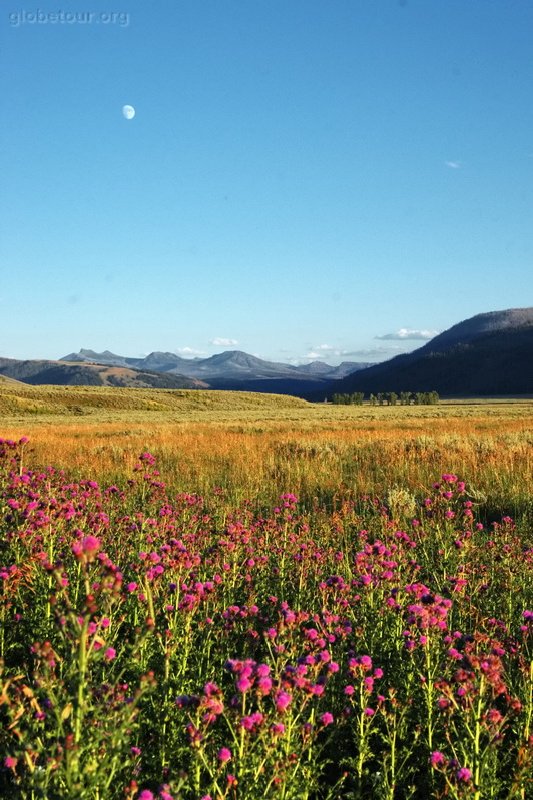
<point>259,445</point>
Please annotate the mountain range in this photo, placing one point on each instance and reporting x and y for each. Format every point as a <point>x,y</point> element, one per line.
<point>489,354</point>
<point>230,363</point>
<point>232,369</point>
<point>229,370</point>
<point>91,374</point>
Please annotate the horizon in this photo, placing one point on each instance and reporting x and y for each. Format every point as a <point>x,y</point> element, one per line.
<point>85,350</point>
<point>300,181</point>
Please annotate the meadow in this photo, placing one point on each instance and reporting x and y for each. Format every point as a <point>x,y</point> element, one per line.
<point>222,595</point>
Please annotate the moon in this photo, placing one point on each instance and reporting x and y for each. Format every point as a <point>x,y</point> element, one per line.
<point>128,112</point>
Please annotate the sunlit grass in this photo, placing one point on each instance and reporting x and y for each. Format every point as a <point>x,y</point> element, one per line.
<point>253,445</point>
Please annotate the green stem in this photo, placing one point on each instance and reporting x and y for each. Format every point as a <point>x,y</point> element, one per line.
<point>477,735</point>
<point>529,705</point>
<point>82,672</point>
<point>429,689</point>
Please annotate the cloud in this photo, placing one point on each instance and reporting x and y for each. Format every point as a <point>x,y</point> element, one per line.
<point>376,352</point>
<point>408,333</point>
<point>221,340</point>
<point>320,351</point>
<point>331,352</point>
<point>188,351</point>
<point>336,355</point>
<point>453,164</point>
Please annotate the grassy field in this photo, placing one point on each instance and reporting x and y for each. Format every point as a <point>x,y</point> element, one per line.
<point>255,445</point>
<point>226,596</point>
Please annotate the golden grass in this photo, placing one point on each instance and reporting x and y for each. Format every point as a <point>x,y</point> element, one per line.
<point>259,445</point>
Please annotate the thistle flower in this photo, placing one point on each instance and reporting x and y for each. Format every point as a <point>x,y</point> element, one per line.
<point>224,755</point>
<point>437,758</point>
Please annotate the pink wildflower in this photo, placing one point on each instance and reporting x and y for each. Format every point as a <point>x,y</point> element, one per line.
<point>224,755</point>
<point>283,700</point>
<point>437,758</point>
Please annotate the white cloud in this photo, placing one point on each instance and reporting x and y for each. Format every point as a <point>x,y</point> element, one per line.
<point>335,354</point>
<point>453,164</point>
<point>376,352</point>
<point>408,333</point>
<point>188,351</point>
<point>221,340</point>
<point>320,351</point>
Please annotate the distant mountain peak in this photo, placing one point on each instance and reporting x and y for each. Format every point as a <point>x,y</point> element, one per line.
<point>231,369</point>
<point>488,354</point>
<point>479,325</point>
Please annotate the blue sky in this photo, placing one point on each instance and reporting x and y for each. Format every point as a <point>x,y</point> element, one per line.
<point>332,177</point>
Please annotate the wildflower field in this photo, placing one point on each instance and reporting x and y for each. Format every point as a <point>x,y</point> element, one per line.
<point>207,596</point>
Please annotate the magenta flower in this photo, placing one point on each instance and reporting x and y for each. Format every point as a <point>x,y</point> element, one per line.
<point>252,721</point>
<point>437,758</point>
<point>110,654</point>
<point>90,544</point>
<point>146,794</point>
<point>464,774</point>
<point>243,684</point>
<point>224,755</point>
<point>264,685</point>
<point>283,700</point>
<point>277,729</point>
<point>326,718</point>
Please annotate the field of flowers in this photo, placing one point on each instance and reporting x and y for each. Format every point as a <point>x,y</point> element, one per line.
<point>161,643</point>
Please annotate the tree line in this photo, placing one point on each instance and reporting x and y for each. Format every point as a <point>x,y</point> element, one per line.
<point>387,399</point>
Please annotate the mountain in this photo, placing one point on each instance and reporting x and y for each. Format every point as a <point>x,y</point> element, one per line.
<point>232,369</point>
<point>91,374</point>
<point>319,368</point>
<point>489,354</point>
